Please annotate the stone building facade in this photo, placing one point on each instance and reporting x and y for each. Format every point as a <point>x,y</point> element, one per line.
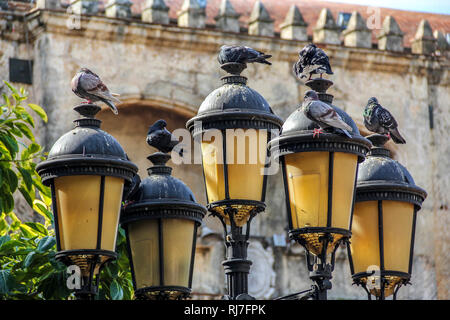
<point>160,56</point>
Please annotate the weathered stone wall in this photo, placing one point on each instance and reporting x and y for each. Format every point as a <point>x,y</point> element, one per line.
<point>167,71</point>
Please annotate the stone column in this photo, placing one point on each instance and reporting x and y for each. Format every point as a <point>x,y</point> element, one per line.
<point>390,37</point>
<point>260,23</point>
<point>228,18</point>
<point>118,9</point>
<point>48,4</point>
<point>294,26</point>
<point>192,15</point>
<point>326,30</point>
<point>156,11</point>
<point>357,34</point>
<point>84,6</point>
<point>424,41</point>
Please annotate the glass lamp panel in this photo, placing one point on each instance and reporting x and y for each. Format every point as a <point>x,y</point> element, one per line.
<point>246,156</point>
<point>178,235</point>
<point>344,173</point>
<point>397,229</point>
<point>365,248</point>
<point>77,199</point>
<point>111,212</point>
<point>212,160</point>
<point>144,244</point>
<point>307,177</point>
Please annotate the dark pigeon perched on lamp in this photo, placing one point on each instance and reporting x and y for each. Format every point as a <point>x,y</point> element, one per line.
<point>241,54</point>
<point>87,85</point>
<point>323,114</point>
<point>161,138</point>
<point>379,120</point>
<point>312,60</point>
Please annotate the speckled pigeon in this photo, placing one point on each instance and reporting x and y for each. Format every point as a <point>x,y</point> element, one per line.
<point>241,54</point>
<point>323,114</point>
<point>312,60</point>
<point>161,138</point>
<point>379,120</point>
<point>87,85</point>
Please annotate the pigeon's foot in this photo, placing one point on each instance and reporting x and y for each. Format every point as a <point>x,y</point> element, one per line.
<point>388,135</point>
<point>86,102</point>
<point>317,132</point>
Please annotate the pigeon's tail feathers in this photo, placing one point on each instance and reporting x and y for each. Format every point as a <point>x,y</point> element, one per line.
<point>112,106</point>
<point>333,119</point>
<point>396,136</point>
<point>346,133</point>
<point>261,59</point>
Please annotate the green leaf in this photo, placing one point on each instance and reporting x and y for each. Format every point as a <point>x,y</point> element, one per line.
<point>41,208</point>
<point>11,178</point>
<point>28,259</point>
<point>116,290</point>
<point>26,178</point>
<point>26,194</point>
<point>11,87</point>
<point>39,111</point>
<point>5,281</point>
<point>33,148</point>
<point>27,231</point>
<point>46,243</point>
<point>25,130</point>
<point>4,239</point>
<point>37,227</point>
<point>10,144</point>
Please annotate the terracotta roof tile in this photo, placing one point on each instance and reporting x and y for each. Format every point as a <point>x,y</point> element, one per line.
<point>310,9</point>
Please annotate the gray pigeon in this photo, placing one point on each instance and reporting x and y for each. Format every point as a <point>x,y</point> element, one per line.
<point>379,120</point>
<point>323,114</point>
<point>87,85</point>
<point>312,60</point>
<point>161,138</point>
<point>241,54</point>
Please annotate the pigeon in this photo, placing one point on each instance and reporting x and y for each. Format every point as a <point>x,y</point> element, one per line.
<point>322,114</point>
<point>379,120</point>
<point>241,54</point>
<point>130,190</point>
<point>161,138</point>
<point>312,60</point>
<point>87,85</point>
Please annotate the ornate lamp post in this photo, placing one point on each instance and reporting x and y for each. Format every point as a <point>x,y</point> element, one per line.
<point>86,170</point>
<point>233,126</point>
<point>319,177</point>
<point>161,224</point>
<point>383,228</point>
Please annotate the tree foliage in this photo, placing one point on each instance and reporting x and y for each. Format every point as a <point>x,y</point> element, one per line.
<point>28,268</point>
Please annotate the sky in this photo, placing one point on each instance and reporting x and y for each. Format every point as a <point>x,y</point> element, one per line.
<point>433,6</point>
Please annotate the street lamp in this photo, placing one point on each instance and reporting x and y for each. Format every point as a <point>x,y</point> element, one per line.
<point>319,179</point>
<point>234,126</point>
<point>86,170</point>
<point>161,228</point>
<point>384,221</point>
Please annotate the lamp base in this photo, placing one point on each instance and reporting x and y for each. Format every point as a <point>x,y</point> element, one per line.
<point>311,238</point>
<point>163,293</point>
<point>381,284</point>
<point>242,210</point>
<point>90,263</point>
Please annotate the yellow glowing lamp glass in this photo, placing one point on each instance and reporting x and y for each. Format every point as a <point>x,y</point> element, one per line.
<point>177,237</point>
<point>307,176</point>
<point>78,203</point>
<point>246,151</point>
<point>397,227</point>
